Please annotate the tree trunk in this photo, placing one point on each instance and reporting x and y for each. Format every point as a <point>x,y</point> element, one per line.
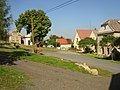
<point>32,26</point>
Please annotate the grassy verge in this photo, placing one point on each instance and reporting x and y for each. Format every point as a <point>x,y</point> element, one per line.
<point>62,64</point>
<point>30,47</point>
<point>53,62</point>
<point>50,49</point>
<point>11,79</point>
<point>48,60</point>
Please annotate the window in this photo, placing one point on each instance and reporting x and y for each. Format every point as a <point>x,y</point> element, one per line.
<point>76,40</point>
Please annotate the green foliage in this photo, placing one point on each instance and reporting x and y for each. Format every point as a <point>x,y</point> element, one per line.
<point>86,43</point>
<point>111,41</point>
<point>107,40</point>
<point>5,19</point>
<point>117,41</point>
<point>35,22</point>
<point>52,40</point>
<point>11,79</point>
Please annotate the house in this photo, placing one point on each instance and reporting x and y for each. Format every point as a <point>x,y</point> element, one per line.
<point>65,44</point>
<point>110,27</point>
<point>15,37</point>
<point>27,39</point>
<point>82,34</point>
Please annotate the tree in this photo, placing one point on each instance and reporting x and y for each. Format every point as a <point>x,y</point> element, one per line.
<point>111,41</point>
<point>35,22</point>
<point>87,43</point>
<point>117,41</point>
<point>5,19</point>
<point>52,40</point>
<point>108,40</point>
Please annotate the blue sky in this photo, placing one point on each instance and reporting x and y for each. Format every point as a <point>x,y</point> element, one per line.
<point>84,14</point>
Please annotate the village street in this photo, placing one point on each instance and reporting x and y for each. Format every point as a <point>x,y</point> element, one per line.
<point>75,57</point>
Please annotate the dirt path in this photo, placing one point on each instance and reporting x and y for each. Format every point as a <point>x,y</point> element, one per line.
<point>46,77</point>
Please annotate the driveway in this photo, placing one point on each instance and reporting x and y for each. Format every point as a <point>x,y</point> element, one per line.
<point>75,57</point>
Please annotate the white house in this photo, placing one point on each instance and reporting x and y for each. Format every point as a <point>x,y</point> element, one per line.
<point>27,40</point>
<point>82,34</point>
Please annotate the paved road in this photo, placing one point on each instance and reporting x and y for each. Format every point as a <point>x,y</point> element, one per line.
<point>46,77</point>
<point>75,57</point>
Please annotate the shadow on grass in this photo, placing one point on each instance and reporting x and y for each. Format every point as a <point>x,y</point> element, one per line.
<point>7,47</point>
<point>10,57</point>
<point>115,82</point>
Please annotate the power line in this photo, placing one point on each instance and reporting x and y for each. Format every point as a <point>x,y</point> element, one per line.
<point>62,5</point>
<point>59,5</point>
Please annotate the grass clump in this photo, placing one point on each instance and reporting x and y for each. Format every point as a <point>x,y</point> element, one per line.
<point>11,79</point>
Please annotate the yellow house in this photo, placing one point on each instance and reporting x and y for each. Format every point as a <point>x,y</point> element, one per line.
<point>15,37</point>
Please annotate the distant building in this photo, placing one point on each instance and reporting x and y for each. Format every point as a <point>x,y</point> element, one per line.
<point>110,27</point>
<point>27,39</point>
<point>15,37</point>
<point>82,34</point>
<point>65,44</point>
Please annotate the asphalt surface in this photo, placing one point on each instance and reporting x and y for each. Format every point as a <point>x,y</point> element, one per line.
<point>75,57</point>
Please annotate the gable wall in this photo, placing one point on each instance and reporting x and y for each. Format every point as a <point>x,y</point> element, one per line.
<point>76,40</point>
<point>104,29</point>
<point>15,38</point>
<point>116,34</point>
<point>93,36</point>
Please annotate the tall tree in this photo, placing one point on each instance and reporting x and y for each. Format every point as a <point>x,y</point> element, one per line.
<point>5,19</point>
<point>35,22</point>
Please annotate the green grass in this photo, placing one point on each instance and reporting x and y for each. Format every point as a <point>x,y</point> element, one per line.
<point>10,51</point>
<point>30,47</point>
<point>11,79</point>
<point>50,49</point>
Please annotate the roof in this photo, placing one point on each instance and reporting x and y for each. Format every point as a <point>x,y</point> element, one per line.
<point>113,23</point>
<point>15,31</point>
<point>64,41</point>
<point>85,33</point>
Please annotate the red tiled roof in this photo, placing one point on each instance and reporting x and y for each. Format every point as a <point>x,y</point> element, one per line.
<point>85,33</point>
<point>64,41</point>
